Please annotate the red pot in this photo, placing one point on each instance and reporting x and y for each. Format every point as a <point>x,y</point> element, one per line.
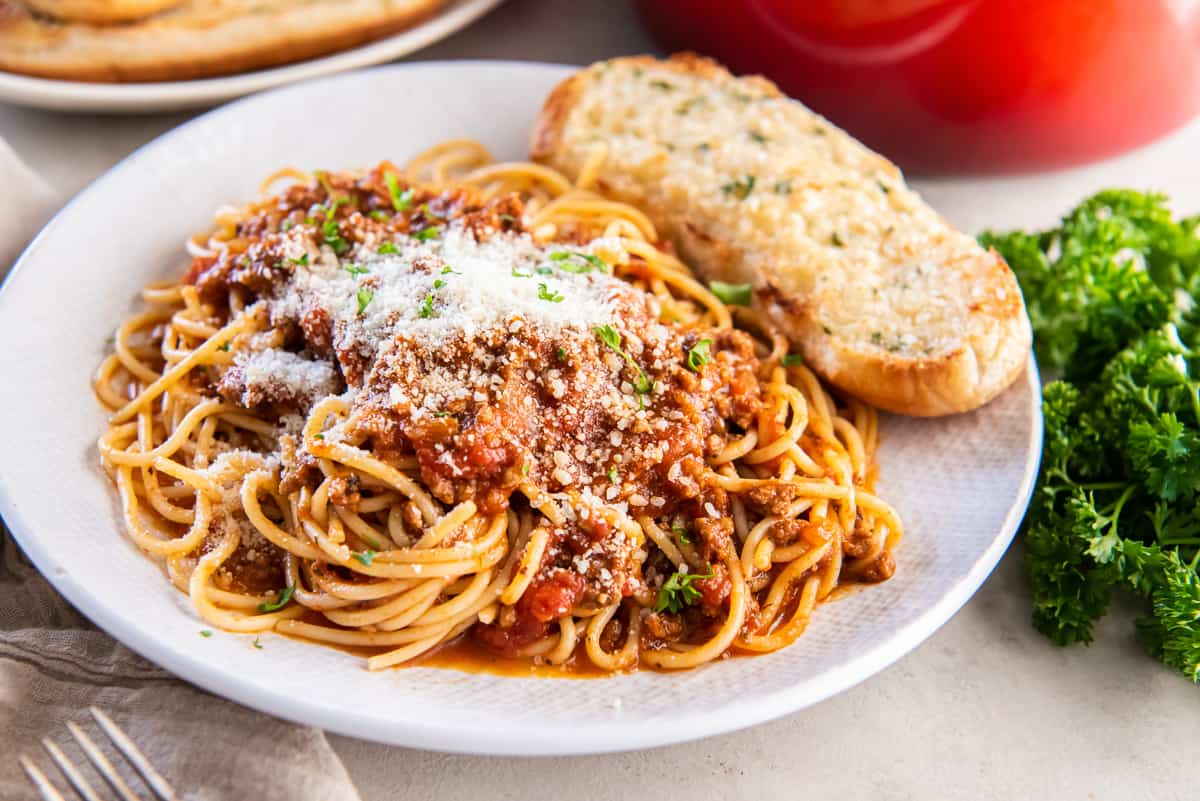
<point>963,85</point>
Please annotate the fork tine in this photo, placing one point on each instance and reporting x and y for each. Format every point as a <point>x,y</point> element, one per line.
<point>45,789</point>
<point>76,779</point>
<point>154,780</point>
<point>101,763</point>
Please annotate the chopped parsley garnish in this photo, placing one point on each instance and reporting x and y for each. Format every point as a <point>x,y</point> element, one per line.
<point>666,86</point>
<point>525,469</point>
<point>388,247</point>
<point>613,477</point>
<point>441,414</point>
<point>877,338</point>
<point>281,600</point>
<point>740,189</point>
<point>401,201</point>
<point>225,347</point>
<point>438,283</point>
<point>682,533</point>
<point>425,234</point>
<point>698,355</point>
<point>364,296</point>
<point>366,557</point>
<point>205,632</point>
<point>576,262</point>
<point>610,337</point>
<point>426,311</point>
<point>318,436</point>
<point>783,187</point>
<point>380,215</point>
<point>793,360</point>
<point>836,239</point>
<point>508,218</point>
<point>355,269</point>
<point>732,294</point>
<point>544,270</point>
<point>258,642</point>
<point>331,236</point>
<point>884,188</point>
<point>757,137</point>
<point>448,270</point>
<point>678,592</point>
<point>518,274</point>
<point>562,354</point>
<point>287,225</point>
<point>544,293</point>
<point>302,260</point>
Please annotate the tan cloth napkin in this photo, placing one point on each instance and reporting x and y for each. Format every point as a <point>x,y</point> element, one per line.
<point>54,664</point>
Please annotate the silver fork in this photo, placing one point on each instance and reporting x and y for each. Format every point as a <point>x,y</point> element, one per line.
<point>83,789</point>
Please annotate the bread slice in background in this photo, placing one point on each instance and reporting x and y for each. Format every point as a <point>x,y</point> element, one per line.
<point>878,293</point>
<point>188,39</point>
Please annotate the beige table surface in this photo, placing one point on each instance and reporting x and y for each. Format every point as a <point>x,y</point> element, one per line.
<point>985,709</point>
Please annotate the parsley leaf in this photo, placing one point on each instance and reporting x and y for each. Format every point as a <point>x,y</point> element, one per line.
<point>281,600</point>
<point>205,633</point>
<point>698,355</point>
<point>576,262</point>
<point>301,260</point>
<point>642,385</point>
<point>366,557</point>
<point>425,234</point>
<point>682,533</point>
<point>792,360</point>
<point>388,247</point>
<point>355,269</point>
<point>740,189</point>
<point>364,298</point>
<point>518,274</point>
<point>613,477</point>
<point>258,642</point>
<point>438,283</point>
<point>678,592</point>
<point>380,215</point>
<point>401,201</point>
<point>544,293</point>
<point>732,294</point>
<point>426,311</point>
<point>331,235</point>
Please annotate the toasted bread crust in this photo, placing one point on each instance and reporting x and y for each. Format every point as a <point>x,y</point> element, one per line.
<point>983,358</point>
<point>190,41</point>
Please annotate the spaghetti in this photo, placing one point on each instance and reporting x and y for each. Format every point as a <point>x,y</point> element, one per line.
<point>394,408</point>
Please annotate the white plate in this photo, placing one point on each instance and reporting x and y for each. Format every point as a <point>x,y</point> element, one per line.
<point>961,484</point>
<point>172,95</point>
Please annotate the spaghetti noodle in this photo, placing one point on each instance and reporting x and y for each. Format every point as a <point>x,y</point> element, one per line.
<point>393,408</point>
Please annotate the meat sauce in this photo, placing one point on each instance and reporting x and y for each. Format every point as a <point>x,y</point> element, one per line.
<point>559,409</point>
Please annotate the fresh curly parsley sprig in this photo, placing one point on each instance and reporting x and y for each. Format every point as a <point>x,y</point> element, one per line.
<point>1112,296</point>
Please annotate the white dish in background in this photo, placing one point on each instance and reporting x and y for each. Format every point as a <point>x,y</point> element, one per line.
<point>25,90</point>
<point>961,484</point>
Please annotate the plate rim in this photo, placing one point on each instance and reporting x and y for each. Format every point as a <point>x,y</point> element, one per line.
<point>520,739</point>
<point>162,96</point>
